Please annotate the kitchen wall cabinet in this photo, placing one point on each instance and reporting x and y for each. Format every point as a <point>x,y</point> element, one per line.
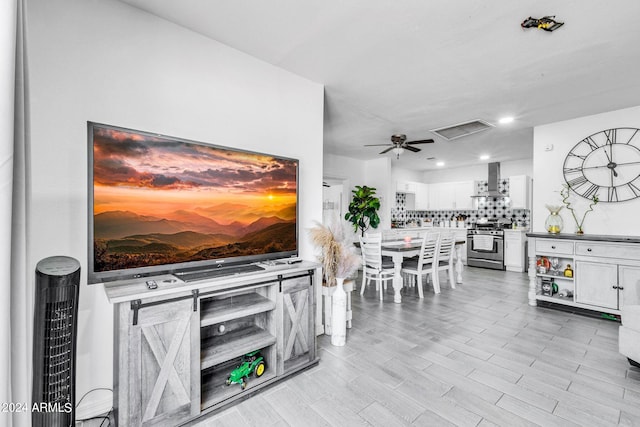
<point>462,193</point>
<point>421,197</point>
<point>451,195</point>
<point>176,345</point>
<point>406,187</point>
<point>606,270</point>
<point>520,192</point>
<point>416,195</point>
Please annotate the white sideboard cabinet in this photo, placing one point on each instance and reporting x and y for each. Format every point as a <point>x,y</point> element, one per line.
<point>605,271</point>
<point>176,345</point>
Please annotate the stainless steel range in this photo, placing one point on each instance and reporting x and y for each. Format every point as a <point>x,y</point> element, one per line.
<point>485,246</point>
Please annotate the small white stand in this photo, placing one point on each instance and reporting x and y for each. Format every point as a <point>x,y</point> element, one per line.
<point>327,294</point>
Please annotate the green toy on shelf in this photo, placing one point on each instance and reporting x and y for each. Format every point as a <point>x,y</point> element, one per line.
<point>251,363</point>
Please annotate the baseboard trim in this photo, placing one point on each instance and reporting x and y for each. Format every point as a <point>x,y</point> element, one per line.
<point>94,407</point>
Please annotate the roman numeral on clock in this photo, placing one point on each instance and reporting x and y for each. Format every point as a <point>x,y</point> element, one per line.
<point>591,191</point>
<point>572,170</point>
<point>634,189</point>
<point>578,182</point>
<point>592,144</point>
<point>577,155</point>
<point>611,136</point>
<point>612,194</point>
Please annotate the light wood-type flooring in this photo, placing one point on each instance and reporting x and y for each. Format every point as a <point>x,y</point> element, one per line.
<point>477,355</point>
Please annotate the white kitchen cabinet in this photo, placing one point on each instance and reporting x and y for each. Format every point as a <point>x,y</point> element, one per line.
<point>410,202</point>
<point>451,195</point>
<point>514,250</point>
<point>421,196</point>
<point>597,284</point>
<point>629,283</point>
<point>520,191</point>
<point>405,187</point>
<point>462,193</point>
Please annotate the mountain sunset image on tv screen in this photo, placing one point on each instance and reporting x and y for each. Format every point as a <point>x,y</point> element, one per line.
<point>159,201</point>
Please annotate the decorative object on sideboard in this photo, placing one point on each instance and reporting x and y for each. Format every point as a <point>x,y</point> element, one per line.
<point>566,193</point>
<point>363,209</point>
<point>339,261</point>
<point>553,224</point>
<point>568,272</point>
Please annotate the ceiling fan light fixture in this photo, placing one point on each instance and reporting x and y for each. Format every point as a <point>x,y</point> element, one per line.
<point>397,151</point>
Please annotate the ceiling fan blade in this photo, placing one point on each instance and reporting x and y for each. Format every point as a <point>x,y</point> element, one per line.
<point>387,150</point>
<point>422,141</point>
<point>410,148</point>
<point>376,145</point>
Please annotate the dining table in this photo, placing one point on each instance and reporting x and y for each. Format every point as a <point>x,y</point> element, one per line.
<point>401,249</point>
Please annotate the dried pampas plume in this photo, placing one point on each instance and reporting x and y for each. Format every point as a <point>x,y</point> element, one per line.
<point>337,257</point>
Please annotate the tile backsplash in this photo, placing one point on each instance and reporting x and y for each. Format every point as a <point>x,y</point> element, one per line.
<point>490,208</point>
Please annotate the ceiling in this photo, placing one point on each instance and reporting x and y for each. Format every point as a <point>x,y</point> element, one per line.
<point>412,66</point>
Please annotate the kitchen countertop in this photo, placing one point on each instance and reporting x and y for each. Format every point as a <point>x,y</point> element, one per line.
<point>588,237</point>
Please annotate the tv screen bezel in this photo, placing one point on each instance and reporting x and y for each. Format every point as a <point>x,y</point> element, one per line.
<point>94,277</point>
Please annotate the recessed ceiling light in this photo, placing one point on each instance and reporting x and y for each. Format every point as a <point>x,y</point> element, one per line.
<point>485,157</point>
<point>440,164</point>
<point>505,120</point>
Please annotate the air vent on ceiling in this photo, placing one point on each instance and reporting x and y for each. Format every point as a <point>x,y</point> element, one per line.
<point>462,129</point>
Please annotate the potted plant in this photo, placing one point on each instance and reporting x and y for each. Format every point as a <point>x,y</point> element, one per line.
<point>339,261</point>
<point>363,209</point>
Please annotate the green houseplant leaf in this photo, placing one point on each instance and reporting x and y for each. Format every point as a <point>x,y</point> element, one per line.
<point>363,209</point>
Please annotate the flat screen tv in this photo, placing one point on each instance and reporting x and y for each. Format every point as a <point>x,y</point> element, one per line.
<point>159,204</point>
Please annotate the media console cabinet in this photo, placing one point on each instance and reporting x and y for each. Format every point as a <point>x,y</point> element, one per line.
<point>605,271</point>
<point>176,345</point>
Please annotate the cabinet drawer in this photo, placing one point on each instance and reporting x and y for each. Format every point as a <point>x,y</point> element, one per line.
<point>513,236</point>
<point>607,250</point>
<point>554,246</point>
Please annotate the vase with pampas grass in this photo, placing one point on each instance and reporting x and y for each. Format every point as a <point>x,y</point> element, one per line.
<point>339,261</point>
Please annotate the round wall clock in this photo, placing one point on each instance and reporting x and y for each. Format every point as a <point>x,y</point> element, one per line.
<point>606,164</point>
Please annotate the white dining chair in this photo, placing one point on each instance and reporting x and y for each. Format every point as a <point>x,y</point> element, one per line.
<point>375,267</point>
<point>424,264</point>
<point>444,261</point>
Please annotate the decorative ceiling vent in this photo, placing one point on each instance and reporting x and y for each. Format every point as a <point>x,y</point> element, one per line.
<point>462,129</point>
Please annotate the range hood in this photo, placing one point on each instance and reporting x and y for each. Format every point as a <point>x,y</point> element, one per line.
<point>493,178</point>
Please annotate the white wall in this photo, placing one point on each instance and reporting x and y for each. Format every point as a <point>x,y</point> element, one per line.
<point>607,218</point>
<point>107,62</point>
<point>378,175</point>
<point>478,172</point>
<point>400,174</point>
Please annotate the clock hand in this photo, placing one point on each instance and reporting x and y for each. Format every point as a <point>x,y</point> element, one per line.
<point>615,165</point>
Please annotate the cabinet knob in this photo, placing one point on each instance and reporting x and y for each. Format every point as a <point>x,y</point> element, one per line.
<point>553,247</point>
<point>588,249</point>
<point>616,287</point>
<point>621,287</point>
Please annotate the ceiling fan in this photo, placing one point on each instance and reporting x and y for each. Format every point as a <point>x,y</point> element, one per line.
<point>399,143</point>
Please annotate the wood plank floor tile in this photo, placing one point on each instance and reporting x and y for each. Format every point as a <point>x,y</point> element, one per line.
<point>293,408</point>
<point>533,414</point>
<point>257,412</point>
<point>535,399</point>
<point>485,366</point>
<point>486,410</point>
<point>406,409</point>
<point>487,393</point>
<point>337,414</point>
<point>583,410</point>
